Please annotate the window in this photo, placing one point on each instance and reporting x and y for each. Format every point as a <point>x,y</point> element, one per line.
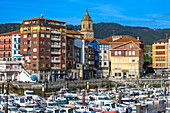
<point>41,65</point>
<point>41,49</point>
<point>47,50</point>
<point>34,28</point>
<point>105,63</point>
<point>34,65</point>
<point>160,47</point>
<point>133,52</point>
<point>130,46</point>
<point>129,66</point>
<point>126,53</point>
<point>160,58</point>
<point>119,59</point>
<point>133,60</point>
<point>160,52</point>
<point>41,57</point>
<point>34,49</point>
<point>83,25</point>
<point>129,52</point>
<point>47,29</point>
<point>119,66</point>
<point>63,44</point>
<point>25,36</point>
<point>130,60</point>
<point>34,35</point>
<point>42,35</point>
<point>63,65</point>
<point>115,59</point>
<point>47,43</point>
<point>118,74</point>
<point>24,49</point>
<point>42,28</point>
<point>63,50</point>
<point>115,52</point>
<point>63,30</point>
<point>119,52</point>
<point>35,42</point>
<point>47,57</point>
<point>25,43</point>
<point>34,57</point>
<point>133,67</point>
<point>63,37</point>
<point>47,36</point>
<point>42,42</point>
<point>47,65</point>
<point>105,51</point>
<point>25,29</point>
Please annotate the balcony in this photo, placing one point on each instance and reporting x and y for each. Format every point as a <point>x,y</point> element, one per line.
<point>56,53</point>
<point>55,61</point>
<point>55,67</point>
<point>56,32</point>
<point>56,46</point>
<point>91,62</point>
<point>86,47</point>
<point>56,39</point>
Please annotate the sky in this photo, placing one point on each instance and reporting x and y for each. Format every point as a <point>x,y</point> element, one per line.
<point>140,13</point>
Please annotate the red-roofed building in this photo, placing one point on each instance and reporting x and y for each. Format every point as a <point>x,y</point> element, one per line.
<point>127,56</point>
<point>43,44</point>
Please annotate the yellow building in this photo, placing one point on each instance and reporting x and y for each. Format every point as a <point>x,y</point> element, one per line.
<point>127,56</point>
<point>160,54</point>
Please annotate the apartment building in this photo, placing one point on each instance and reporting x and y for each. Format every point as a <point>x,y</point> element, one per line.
<point>101,57</point>
<point>6,46</point>
<point>160,55</point>
<point>43,43</point>
<point>127,56</point>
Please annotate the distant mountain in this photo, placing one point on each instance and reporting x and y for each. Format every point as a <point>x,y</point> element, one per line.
<point>103,30</point>
<point>147,35</point>
<point>8,27</point>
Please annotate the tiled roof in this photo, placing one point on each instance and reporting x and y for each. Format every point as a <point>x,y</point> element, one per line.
<point>44,19</point>
<point>73,32</point>
<point>100,40</point>
<point>10,33</point>
<point>124,38</point>
<point>162,40</point>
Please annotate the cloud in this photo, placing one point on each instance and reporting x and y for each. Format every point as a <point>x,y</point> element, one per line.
<point>158,15</point>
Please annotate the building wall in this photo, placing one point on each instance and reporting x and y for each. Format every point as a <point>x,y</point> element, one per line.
<point>127,59</point>
<point>43,43</point>
<point>16,45</point>
<point>160,55</point>
<point>6,46</point>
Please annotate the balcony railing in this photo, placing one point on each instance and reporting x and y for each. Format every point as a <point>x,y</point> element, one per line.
<point>3,49</point>
<point>55,67</point>
<point>5,42</point>
<point>56,46</point>
<point>5,55</point>
<point>56,39</point>
<point>55,61</point>
<point>56,53</point>
<point>56,32</point>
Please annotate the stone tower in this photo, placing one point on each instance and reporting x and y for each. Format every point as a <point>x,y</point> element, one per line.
<point>87,26</point>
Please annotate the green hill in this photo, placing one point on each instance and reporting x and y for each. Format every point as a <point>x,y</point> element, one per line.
<point>103,30</point>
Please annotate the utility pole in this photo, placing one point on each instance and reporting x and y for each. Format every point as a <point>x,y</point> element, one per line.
<point>6,95</point>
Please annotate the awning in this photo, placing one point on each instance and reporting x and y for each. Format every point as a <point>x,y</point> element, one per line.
<point>125,70</point>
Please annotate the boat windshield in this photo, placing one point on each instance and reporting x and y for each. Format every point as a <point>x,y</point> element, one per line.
<point>12,109</point>
<point>30,93</point>
<point>52,104</point>
<point>31,106</point>
<point>103,98</point>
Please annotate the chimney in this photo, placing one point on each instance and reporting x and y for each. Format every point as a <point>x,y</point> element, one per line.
<point>137,38</point>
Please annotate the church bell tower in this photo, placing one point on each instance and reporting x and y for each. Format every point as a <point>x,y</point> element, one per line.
<point>87,26</point>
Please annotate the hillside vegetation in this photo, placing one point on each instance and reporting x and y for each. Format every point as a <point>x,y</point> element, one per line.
<point>103,30</point>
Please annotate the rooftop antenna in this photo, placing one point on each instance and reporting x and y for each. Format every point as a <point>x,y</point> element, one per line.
<point>42,15</point>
